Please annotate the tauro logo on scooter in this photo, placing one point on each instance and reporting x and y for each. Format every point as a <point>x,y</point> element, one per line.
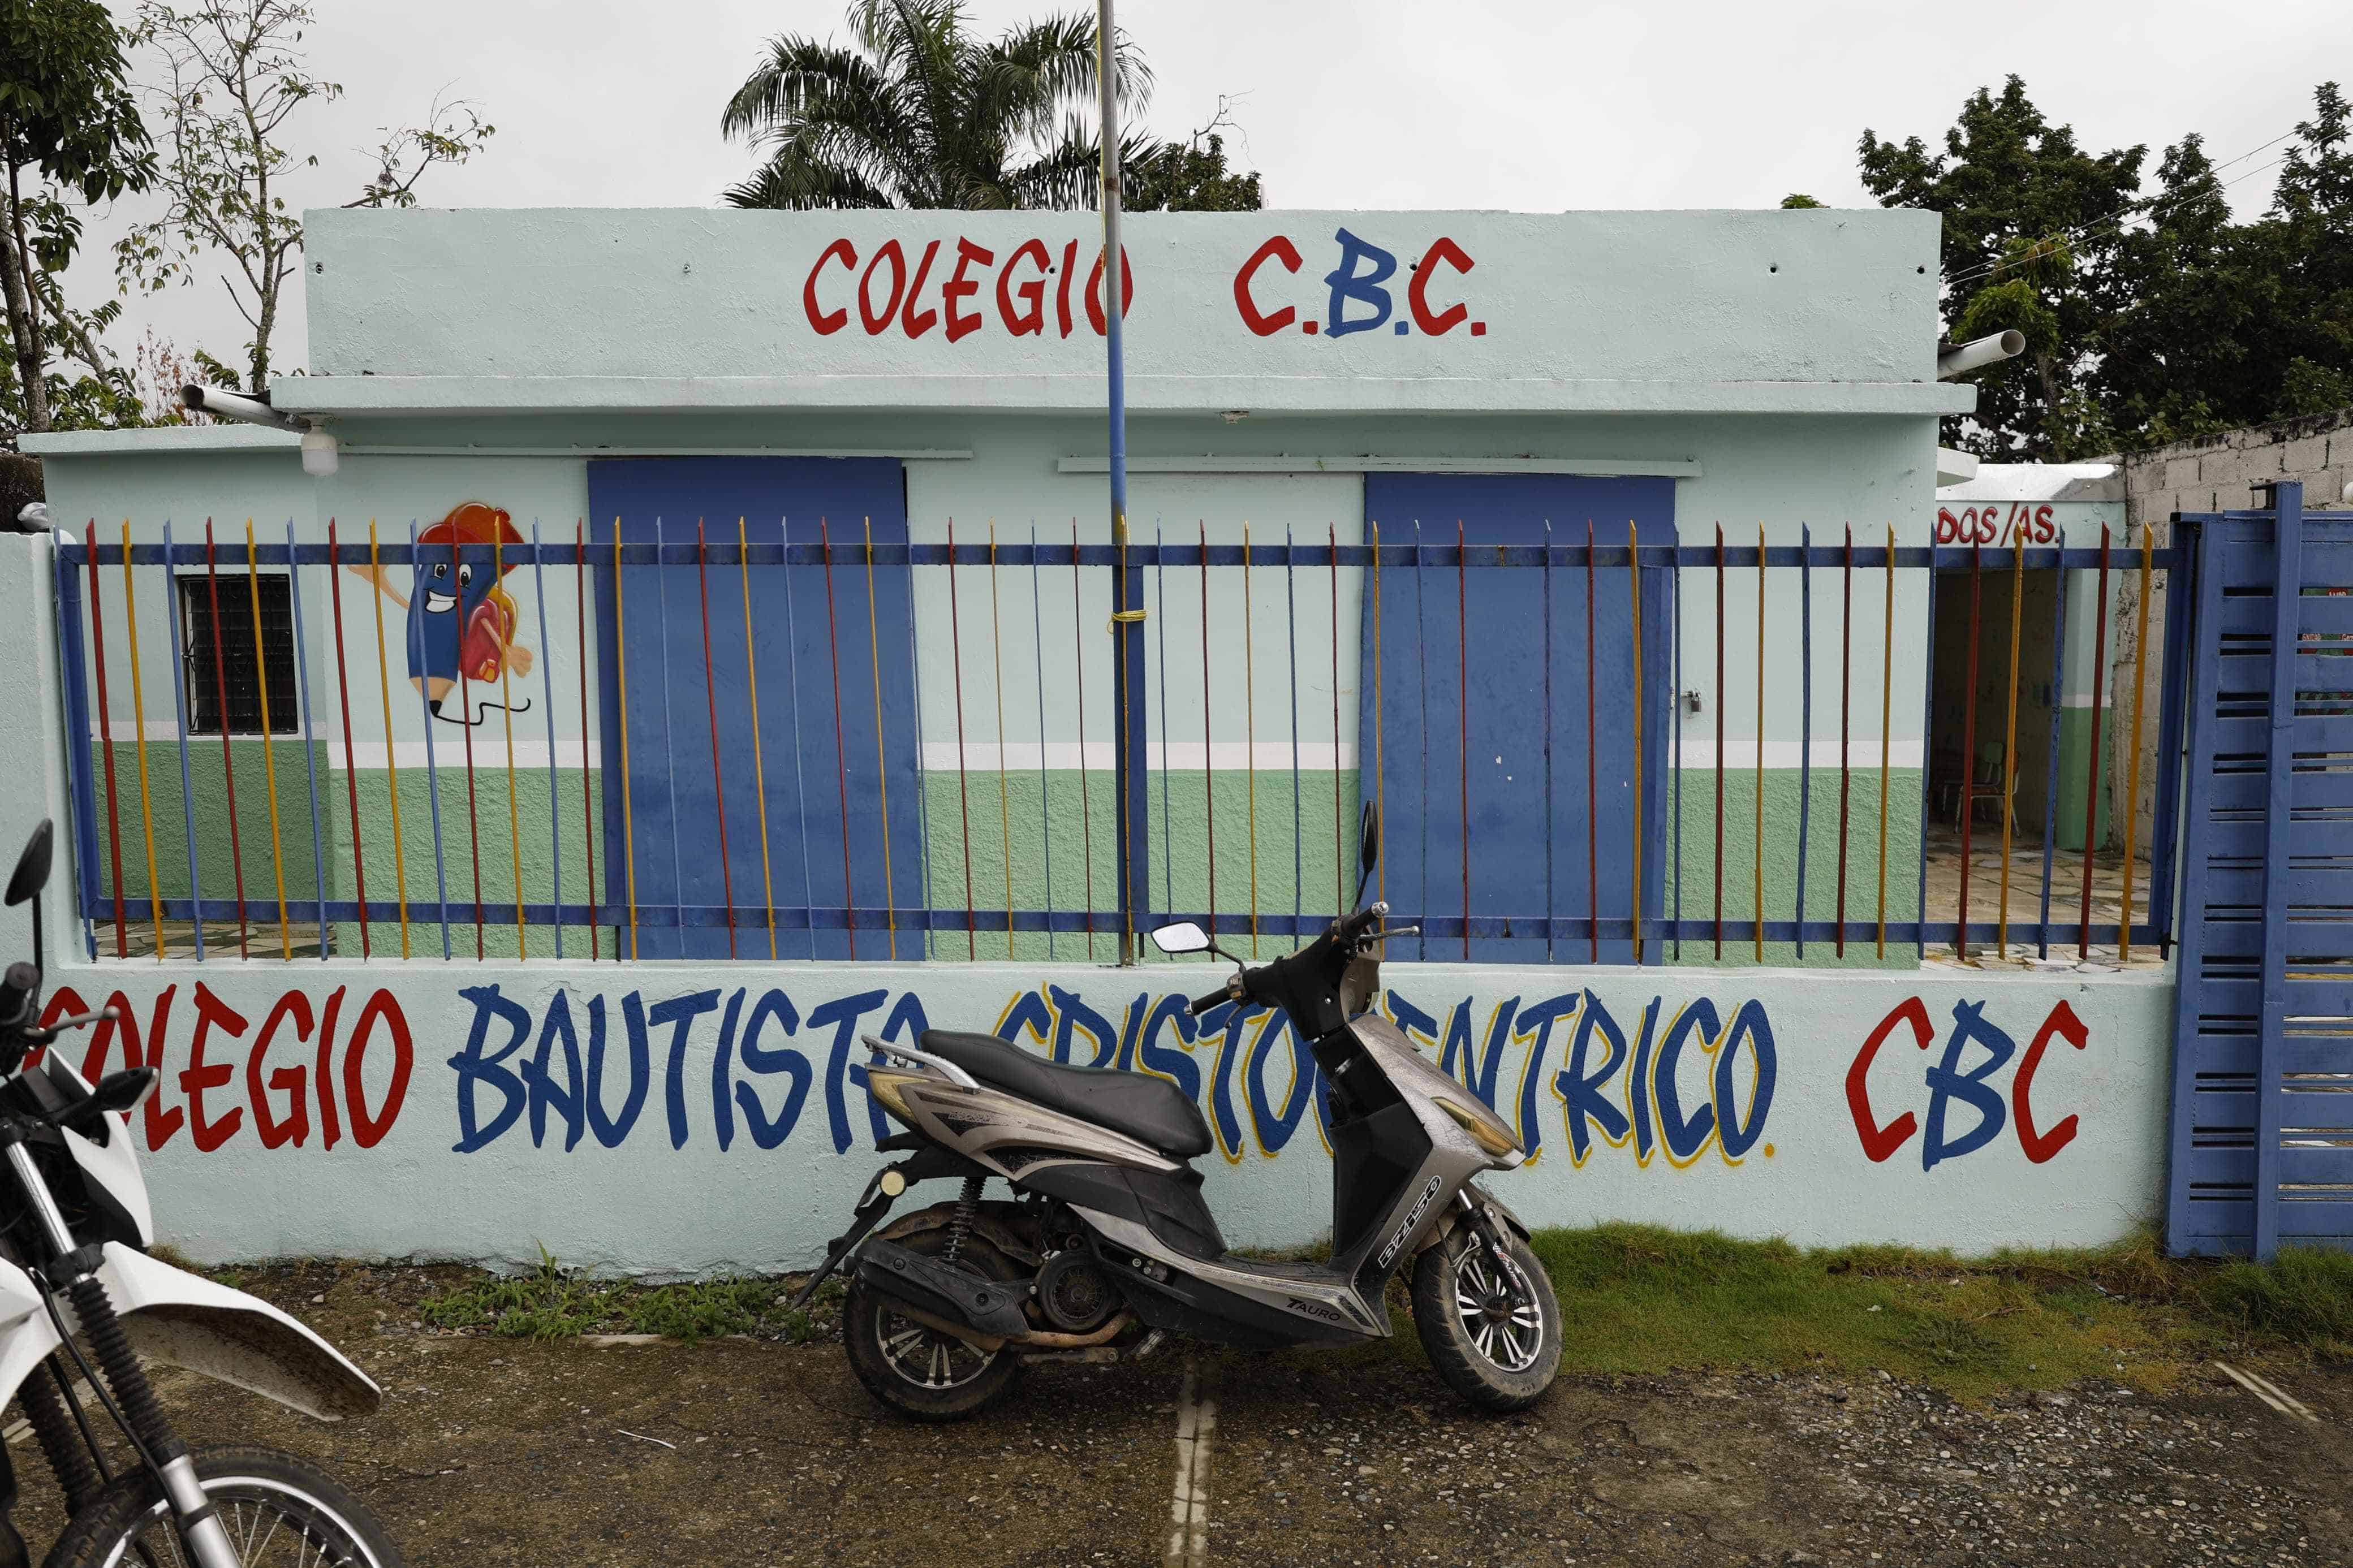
<point>1421,1207</point>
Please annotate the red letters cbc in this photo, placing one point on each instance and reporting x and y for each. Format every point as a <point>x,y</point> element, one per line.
<point>280,1087</point>
<point>1880,1140</point>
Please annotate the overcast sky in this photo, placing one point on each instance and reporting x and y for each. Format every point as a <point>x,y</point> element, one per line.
<point>1533,105</point>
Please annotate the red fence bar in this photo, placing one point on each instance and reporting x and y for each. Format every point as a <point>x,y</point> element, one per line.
<point>466,729</point>
<point>106,746</point>
<point>711,702</point>
<point>2092,775</point>
<point>228,757</point>
<point>1968,743</point>
<point>343,692</point>
<point>587,794</point>
<point>1846,713</point>
<point>759,762</point>
<point>841,752</point>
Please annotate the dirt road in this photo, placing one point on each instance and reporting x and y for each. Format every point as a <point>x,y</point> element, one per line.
<point>503,1452</point>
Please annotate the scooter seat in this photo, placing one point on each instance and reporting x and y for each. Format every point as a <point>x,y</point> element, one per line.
<point>1150,1110</point>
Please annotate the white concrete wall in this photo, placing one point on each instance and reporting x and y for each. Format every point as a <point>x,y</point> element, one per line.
<point>472,1113</point>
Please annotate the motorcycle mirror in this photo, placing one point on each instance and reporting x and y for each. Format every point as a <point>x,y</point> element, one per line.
<point>1368,845</point>
<point>1181,936</point>
<point>32,871</point>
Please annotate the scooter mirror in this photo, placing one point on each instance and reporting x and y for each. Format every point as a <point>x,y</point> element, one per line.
<point>32,871</point>
<point>1181,936</point>
<point>1368,836</point>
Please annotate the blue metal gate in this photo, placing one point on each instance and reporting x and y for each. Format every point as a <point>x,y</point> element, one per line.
<point>2262,1147</point>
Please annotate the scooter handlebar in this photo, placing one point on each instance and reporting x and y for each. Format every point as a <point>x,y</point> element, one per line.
<point>1203,1004</point>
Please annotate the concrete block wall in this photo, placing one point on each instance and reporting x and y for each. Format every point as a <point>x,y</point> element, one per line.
<point>2206,473</point>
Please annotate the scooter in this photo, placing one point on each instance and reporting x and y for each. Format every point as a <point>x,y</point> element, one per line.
<point>1106,1246</point>
<point>75,1273</point>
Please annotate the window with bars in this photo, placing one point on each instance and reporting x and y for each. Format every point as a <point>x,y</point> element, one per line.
<point>218,658</point>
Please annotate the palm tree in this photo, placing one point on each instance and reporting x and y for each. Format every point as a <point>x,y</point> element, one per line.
<point>920,113</point>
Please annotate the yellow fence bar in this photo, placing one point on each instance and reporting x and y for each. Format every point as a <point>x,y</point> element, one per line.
<point>759,763</point>
<point>1886,712</point>
<point>1634,574</point>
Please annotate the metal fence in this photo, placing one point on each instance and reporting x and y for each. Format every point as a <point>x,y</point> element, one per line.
<point>989,747</point>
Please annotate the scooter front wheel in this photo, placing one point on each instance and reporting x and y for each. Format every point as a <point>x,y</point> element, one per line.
<point>1491,1329</point>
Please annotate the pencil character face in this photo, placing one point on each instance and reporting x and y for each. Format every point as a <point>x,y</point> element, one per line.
<point>461,625</point>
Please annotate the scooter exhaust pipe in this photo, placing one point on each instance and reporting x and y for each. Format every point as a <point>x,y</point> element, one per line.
<point>984,1306</point>
<point>986,1312</point>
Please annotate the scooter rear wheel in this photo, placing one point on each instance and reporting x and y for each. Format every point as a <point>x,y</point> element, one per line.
<point>1493,1333</point>
<point>917,1370</point>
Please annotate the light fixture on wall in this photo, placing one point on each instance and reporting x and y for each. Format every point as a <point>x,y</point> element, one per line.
<point>321,452</point>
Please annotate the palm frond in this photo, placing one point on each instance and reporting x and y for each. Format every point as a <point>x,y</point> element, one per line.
<point>789,184</point>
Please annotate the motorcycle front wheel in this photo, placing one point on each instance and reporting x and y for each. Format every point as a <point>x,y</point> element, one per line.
<point>276,1508</point>
<point>1491,1329</point>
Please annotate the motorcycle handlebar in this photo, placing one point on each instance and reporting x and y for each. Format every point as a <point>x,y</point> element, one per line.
<point>1203,1004</point>
<point>16,989</point>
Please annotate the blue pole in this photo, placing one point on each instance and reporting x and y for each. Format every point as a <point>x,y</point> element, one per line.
<point>1127,598</point>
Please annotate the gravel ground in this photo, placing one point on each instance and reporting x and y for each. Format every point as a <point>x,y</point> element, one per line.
<point>501,1452</point>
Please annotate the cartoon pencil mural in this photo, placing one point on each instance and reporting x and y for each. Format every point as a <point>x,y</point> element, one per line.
<point>460,617</point>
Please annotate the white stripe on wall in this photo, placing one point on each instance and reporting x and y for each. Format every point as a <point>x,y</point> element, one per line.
<point>449,746</point>
<point>1236,756</point>
<point>1699,751</point>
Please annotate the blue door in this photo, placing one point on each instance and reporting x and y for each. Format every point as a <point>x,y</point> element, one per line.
<point>1476,726</point>
<point>832,662</point>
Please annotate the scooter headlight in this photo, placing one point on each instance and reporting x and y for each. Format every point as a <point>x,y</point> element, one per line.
<point>1485,1130</point>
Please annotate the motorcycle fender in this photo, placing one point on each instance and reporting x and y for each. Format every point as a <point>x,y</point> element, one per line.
<point>1447,1225</point>
<point>170,1315</point>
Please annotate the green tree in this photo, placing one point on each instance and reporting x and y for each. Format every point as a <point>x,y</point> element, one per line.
<point>2312,207</point>
<point>234,77</point>
<point>2226,324</point>
<point>1797,200</point>
<point>918,111</point>
<point>1189,176</point>
<point>67,119</point>
<point>2031,233</point>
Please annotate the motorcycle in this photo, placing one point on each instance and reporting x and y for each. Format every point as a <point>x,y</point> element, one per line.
<point>1106,1246</point>
<point>77,1287</point>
